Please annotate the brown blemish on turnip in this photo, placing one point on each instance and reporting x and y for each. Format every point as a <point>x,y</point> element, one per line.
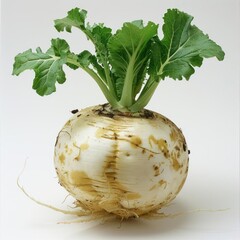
<point>170,197</point>
<point>66,148</point>
<point>127,154</point>
<point>162,182</point>
<point>68,123</point>
<point>175,164</point>
<point>173,135</point>
<point>84,146</point>
<point>77,158</point>
<point>110,169</point>
<point>159,184</point>
<point>132,196</point>
<point>70,151</point>
<point>62,158</point>
<point>161,143</point>
<point>81,180</point>
<point>100,132</point>
<point>150,156</point>
<point>116,188</point>
<point>156,170</point>
<point>177,148</point>
<point>135,141</point>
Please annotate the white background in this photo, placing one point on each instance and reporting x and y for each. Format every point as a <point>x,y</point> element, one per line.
<point>206,108</point>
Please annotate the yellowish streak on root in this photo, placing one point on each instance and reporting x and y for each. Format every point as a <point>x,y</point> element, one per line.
<point>133,196</point>
<point>84,146</point>
<point>135,141</point>
<point>101,132</point>
<point>175,164</point>
<point>62,158</point>
<point>173,135</point>
<point>81,180</point>
<point>161,143</point>
<point>159,184</point>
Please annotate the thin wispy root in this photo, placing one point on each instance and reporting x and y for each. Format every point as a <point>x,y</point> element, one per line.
<point>76,213</point>
<point>157,214</point>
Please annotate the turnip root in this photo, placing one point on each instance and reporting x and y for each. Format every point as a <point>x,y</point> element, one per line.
<point>123,164</point>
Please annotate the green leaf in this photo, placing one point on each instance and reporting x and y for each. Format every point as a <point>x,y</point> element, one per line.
<point>48,67</point>
<point>129,54</point>
<point>183,47</point>
<point>75,18</point>
<point>84,58</point>
<point>60,47</point>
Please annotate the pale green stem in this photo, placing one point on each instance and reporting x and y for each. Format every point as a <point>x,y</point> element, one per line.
<point>109,80</point>
<point>127,93</point>
<point>143,100</point>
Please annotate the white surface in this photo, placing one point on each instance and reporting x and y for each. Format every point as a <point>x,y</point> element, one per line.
<point>206,108</point>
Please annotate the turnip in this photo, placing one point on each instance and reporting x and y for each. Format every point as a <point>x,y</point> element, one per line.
<point>119,157</point>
